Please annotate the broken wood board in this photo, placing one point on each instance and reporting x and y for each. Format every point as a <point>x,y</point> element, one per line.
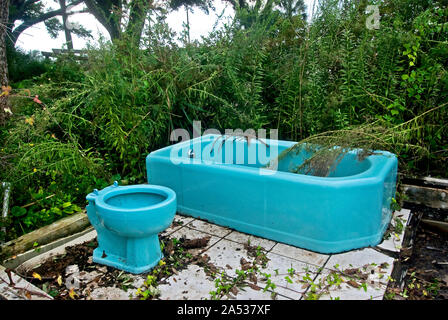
<point>425,181</point>
<point>440,225</point>
<point>431,197</point>
<point>59,229</point>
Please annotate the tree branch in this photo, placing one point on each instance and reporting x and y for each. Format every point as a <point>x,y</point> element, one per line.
<point>100,15</point>
<point>30,22</point>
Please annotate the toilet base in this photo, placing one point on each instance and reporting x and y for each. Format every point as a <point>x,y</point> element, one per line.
<point>142,254</point>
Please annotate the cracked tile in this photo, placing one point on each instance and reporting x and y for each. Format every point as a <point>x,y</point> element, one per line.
<point>344,290</point>
<point>363,266</point>
<point>194,234</point>
<point>244,238</point>
<point>248,293</point>
<point>226,255</point>
<point>315,258</point>
<point>210,228</point>
<point>178,222</point>
<point>279,268</point>
<point>377,265</point>
<point>108,293</point>
<point>190,284</point>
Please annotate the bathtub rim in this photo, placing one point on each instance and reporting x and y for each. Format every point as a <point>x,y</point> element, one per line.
<point>379,164</point>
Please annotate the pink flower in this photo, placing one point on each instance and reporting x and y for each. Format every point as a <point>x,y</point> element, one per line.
<point>36,99</point>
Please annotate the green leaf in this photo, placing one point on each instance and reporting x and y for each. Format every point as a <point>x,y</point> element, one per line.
<point>18,211</point>
<point>66,204</point>
<point>288,279</point>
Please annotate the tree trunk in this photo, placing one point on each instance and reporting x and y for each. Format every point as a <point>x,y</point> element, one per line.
<point>188,24</point>
<point>108,13</point>
<point>68,34</point>
<point>4,11</point>
<point>137,17</point>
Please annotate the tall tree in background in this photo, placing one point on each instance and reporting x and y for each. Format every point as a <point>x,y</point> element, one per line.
<point>113,13</point>
<point>4,6</point>
<point>67,31</point>
<point>258,11</point>
<point>32,12</point>
<point>204,5</point>
<point>293,8</point>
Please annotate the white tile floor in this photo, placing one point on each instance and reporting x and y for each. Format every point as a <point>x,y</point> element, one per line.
<point>287,266</point>
<point>285,270</point>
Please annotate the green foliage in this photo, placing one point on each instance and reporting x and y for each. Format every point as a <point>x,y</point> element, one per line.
<point>23,66</point>
<point>330,78</point>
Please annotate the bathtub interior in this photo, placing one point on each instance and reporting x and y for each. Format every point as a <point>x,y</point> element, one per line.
<point>214,149</point>
<point>348,165</point>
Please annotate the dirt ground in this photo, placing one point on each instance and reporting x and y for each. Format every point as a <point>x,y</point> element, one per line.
<point>426,277</point>
<point>56,278</point>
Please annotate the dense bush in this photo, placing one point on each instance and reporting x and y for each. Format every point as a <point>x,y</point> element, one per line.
<point>95,121</point>
<point>25,66</point>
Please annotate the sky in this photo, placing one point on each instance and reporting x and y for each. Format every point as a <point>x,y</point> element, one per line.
<point>37,38</point>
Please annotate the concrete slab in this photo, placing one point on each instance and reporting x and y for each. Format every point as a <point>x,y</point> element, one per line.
<point>108,293</point>
<point>248,293</point>
<point>364,274</point>
<point>369,259</point>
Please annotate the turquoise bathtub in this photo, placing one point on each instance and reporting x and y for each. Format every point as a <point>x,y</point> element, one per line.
<point>229,185</point>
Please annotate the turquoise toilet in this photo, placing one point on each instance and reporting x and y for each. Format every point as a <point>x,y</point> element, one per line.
<point>127,220</point>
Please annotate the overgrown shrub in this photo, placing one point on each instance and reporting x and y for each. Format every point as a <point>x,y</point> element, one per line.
<point>25,66</point>
<point>95,121</point>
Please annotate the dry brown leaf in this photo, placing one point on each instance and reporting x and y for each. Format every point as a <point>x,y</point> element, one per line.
<point>353,283</point>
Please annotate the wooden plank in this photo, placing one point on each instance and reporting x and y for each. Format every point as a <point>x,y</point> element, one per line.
<point>59,229</point>
<point>20,258</point>
<point>436,181</point>
<point>425,181</point>
<point>431,197</point>
<point>442,226</point>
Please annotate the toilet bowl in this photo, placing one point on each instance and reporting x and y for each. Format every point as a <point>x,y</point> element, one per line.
<point>127,220</point>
